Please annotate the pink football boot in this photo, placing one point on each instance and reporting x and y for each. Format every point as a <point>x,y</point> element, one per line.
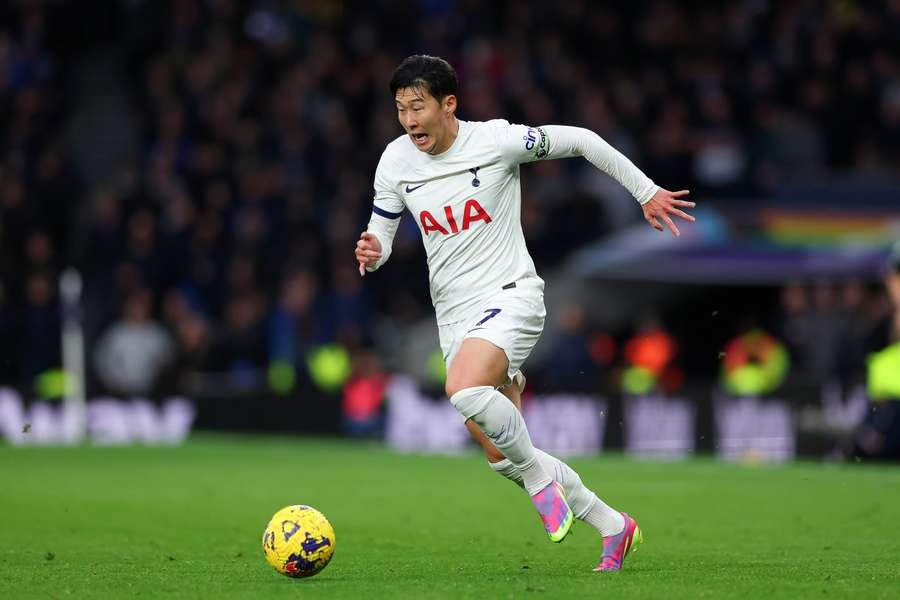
<point>617,547</point>
<point>551,504</point>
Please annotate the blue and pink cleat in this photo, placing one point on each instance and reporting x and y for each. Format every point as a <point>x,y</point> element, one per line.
<point>555,513</point>
<point>617,547</point>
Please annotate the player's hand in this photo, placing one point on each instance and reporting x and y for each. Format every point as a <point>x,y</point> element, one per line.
<point>664,202</point>
<point>368,251</point>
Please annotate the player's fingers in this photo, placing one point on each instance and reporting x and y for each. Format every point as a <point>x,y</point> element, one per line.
<point>671,225</point>
<point>365,235</point>
<point>362,269</point>
<point>681,214</point>
<point>654,223</point>
<point>684,203</point>
<point>367,255</point>
<point>681,193</point>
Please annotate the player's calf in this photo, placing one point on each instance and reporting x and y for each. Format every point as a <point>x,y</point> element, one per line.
<point>493,455</point>
<point>503,425</point>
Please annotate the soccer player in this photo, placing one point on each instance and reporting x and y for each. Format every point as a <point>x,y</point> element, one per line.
<point>460,180</point>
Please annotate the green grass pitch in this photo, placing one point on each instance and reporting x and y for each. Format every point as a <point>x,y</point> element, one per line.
<point>186,523</point>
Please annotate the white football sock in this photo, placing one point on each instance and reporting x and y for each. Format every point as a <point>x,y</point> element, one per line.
<point>604,519</point>
<point>503,424</point>
<point>508,470</point>
<point>584,503</point>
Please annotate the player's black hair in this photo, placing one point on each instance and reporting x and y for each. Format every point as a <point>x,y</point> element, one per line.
<point>433,74</point>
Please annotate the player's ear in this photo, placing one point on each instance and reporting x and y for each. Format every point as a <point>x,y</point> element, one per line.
<point>449,105</point>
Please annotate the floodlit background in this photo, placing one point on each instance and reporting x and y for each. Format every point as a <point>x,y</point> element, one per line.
<point>182,184</point>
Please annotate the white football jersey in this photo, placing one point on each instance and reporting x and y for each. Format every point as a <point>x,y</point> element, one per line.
<point>467,203</point>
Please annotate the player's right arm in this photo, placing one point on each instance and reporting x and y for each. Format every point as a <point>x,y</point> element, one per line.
<point>375,243</point>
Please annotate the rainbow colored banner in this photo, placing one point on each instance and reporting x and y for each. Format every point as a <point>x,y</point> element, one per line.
<point>799,227</point>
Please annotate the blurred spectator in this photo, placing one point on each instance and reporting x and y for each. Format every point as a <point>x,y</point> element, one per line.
<point>135,350</point>
<point>239,347</point>
<point>296,325</point>
<point>102,233</point>
<point>363,400</point>
<point>9,330</point>
<point>720,160</point>
<point>814,326</point>
<point>795,327</point>
<point>347,308</point>
<point>826,331</point>
<point>892,283</point>
<point>193,340</point>
<point>569,365</point>
<point>41,341</point>
<point>853,323</point>
<point>878,436</point>
<point>754,363</point>
<point>650,360</point>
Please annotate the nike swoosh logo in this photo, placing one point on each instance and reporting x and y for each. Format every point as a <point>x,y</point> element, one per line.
<point>412,189</point>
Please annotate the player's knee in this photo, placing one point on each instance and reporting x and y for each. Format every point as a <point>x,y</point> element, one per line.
<point>453,385</point>
<point>478,363</point>
<point>460,379</point>
<point>457,381</point>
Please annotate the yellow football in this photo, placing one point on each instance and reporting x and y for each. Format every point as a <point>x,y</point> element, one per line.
<point>298,541</point>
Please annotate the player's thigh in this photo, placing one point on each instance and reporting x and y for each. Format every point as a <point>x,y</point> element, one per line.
<point>499,333</point>
<point>478,362</point>
<point>514,324</point>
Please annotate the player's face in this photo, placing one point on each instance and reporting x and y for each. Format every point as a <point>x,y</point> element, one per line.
<point>428,123</point>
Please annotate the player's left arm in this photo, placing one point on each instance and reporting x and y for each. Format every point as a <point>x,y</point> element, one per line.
<point>520,144</point>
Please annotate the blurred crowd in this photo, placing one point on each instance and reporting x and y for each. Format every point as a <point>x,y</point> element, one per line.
<point>226,245</point>
<point>825,332</point>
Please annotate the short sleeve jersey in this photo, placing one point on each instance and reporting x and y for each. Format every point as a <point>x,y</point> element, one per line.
<point>467,203</point>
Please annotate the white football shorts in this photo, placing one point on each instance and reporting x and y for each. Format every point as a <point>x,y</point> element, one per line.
<point>512,320</point>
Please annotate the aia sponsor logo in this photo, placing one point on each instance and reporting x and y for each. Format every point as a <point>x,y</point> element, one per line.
<point>471,213</point>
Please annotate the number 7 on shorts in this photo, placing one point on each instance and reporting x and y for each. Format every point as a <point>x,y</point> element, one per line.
<point>493,313</point>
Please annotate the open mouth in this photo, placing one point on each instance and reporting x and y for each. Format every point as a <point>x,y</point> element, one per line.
<point>420,139</point>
